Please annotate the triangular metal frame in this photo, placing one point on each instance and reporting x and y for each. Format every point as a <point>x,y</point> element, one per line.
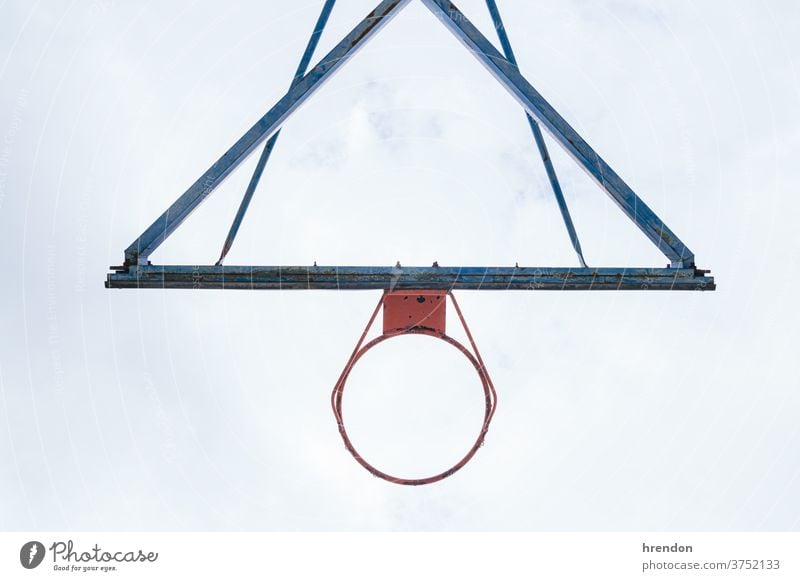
<point>681,274</point>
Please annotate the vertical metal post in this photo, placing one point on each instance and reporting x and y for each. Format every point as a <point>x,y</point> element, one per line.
<point>538,137</point>
<point>265,154</point>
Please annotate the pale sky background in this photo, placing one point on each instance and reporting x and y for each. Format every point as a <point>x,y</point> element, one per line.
<point>181,410</point>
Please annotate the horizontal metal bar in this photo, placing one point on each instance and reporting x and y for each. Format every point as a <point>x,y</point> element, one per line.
<point>396,278</point>
<point>536,105</point>
<point>141,248</point>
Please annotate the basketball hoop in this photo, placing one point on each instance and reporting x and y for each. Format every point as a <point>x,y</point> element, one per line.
<point>417,312</point>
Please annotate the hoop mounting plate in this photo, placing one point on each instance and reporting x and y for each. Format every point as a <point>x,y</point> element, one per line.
<point>405,310</point>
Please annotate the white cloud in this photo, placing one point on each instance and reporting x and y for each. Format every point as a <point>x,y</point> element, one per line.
<point>165,410</point>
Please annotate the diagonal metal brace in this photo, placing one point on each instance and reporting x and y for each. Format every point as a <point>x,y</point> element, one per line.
<point>504,71</point>
<point>141,248</point>
<point>538,137</point>
<point>509,76</point>
<point>267,152</point>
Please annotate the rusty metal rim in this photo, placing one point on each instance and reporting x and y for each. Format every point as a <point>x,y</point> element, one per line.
<point>488,390</point>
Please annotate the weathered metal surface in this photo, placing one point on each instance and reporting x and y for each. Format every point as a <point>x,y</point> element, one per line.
<point>510,77</point>
<point>403,310</point>
<point>267,152</point>
<point>394,278</point>
<point>555,185</point>
<point>139,251</point>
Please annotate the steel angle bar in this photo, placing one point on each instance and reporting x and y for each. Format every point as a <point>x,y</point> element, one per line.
<point>139,251</point>
<point>555,185</point>
<point>510,77</point>
<point>267,152</point>
<point>397,278</point>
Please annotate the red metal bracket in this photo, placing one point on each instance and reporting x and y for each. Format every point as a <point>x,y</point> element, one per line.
<point>405,310</point>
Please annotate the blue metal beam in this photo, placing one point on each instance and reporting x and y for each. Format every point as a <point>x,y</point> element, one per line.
<point>397,278</point>
<point>506,73</point>
<point>509,76</point>
<point>139,251</point>
<point>267,152</point>
<point>538,137</point>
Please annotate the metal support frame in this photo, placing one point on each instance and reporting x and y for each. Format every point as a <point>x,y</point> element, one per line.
<point>136,272</point>
<point>502,35</point>
<point>267,152</point>
<point>139,251</point>
<point>509,77</point>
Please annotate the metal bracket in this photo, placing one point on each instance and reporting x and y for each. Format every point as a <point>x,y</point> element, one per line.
<point>415,308</point>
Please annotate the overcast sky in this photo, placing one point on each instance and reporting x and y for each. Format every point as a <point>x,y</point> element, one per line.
<point>143,410</point>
